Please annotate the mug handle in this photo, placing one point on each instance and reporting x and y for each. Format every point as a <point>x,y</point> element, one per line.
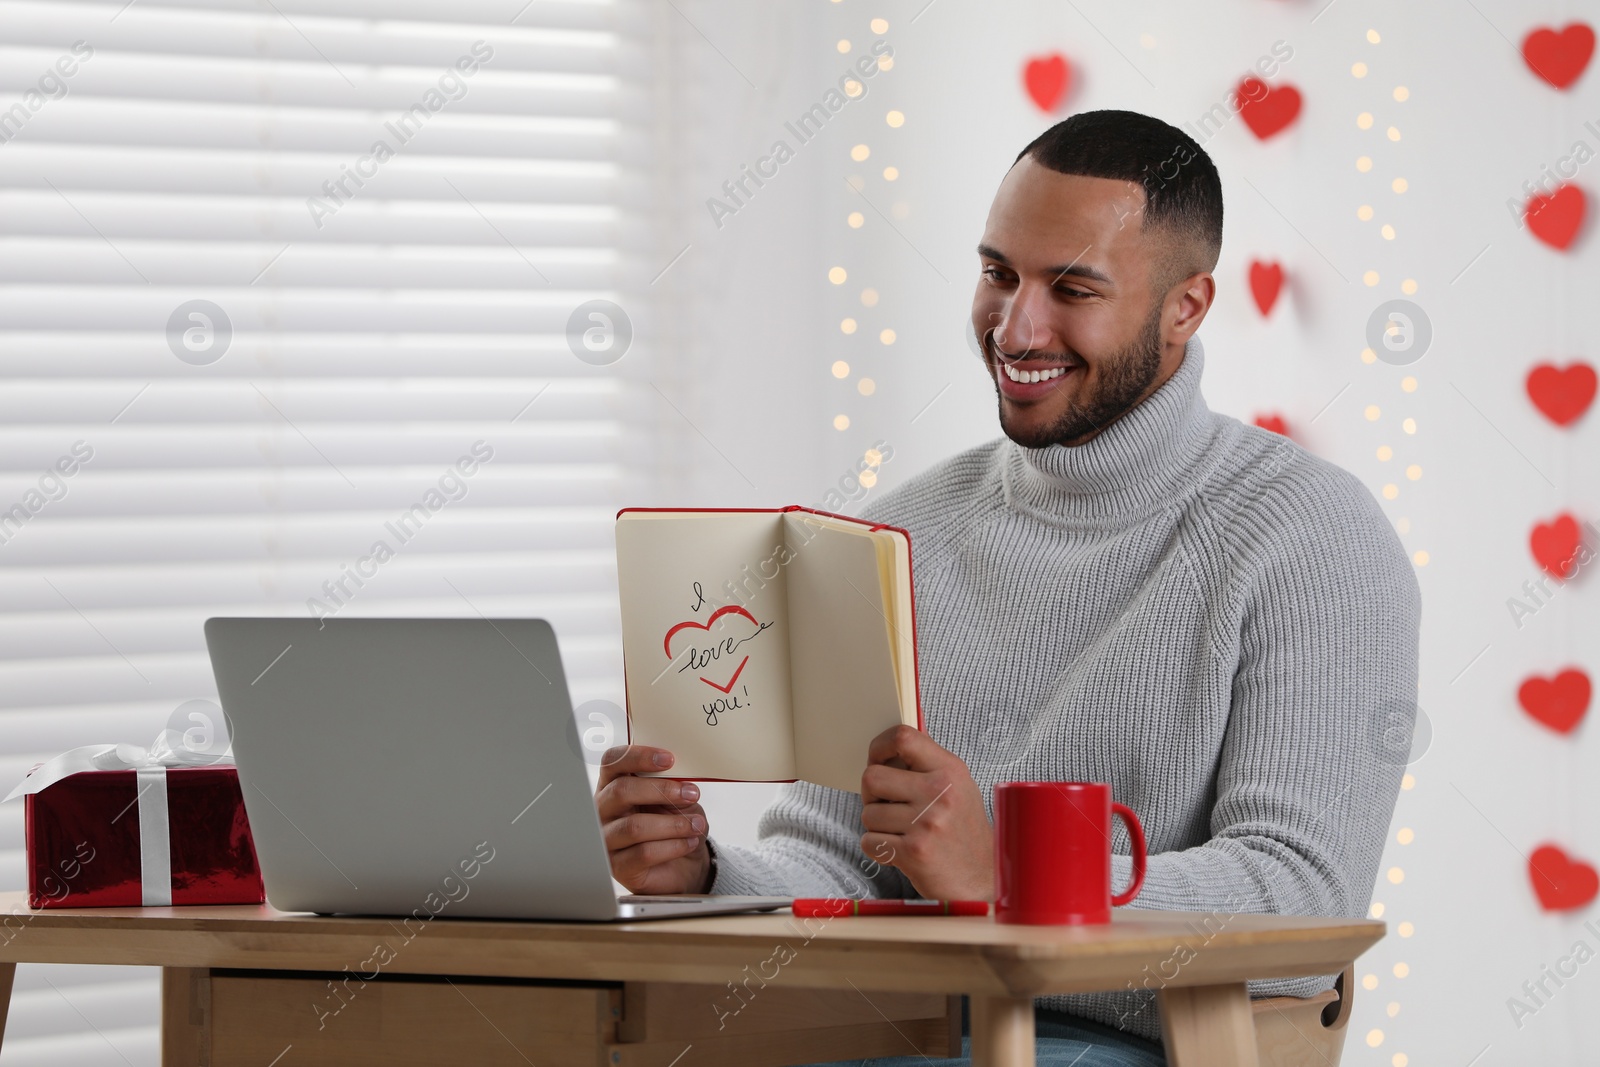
<point>1135,831</point>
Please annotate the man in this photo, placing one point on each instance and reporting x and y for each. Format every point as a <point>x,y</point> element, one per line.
<point>1126,588</point>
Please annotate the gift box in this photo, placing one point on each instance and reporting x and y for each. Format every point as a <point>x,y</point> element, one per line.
<point>116,826</point>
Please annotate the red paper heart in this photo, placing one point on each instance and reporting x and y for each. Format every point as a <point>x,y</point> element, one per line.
<point>1046,80</point>
<point>727,609</point>
<point>1555,219</point>
<point>1560,882</point>
<point>1274,423</point>
<point>1266,280</point>
<point>1267,110</point>
<point>1555,545</point>
<point>1559,702</point>
<point>1562,394</point>
<point>1559,58</point>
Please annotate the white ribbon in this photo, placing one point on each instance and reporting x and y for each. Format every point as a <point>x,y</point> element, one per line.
<point>155,838</point>
<point>155,826</point>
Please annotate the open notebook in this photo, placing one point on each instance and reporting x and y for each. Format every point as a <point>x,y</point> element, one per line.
<point>765,645</point>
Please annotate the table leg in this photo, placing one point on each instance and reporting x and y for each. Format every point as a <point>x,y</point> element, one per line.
<point>1208,1026</point>
<point>185,1017</point>
<point>8,971</point>
<point>1002,1031</point>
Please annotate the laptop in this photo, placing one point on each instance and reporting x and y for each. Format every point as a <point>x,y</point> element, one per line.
<point>421,768</point>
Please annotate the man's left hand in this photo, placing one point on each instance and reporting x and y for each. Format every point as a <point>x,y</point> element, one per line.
<point>923,811</point>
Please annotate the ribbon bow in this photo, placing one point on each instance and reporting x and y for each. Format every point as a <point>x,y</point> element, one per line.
<point>158,756</point>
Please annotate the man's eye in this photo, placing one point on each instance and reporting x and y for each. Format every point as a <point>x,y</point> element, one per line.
<point>1079,293</point>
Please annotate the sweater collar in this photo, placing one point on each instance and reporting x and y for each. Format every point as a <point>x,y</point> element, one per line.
<point>1130,468</point>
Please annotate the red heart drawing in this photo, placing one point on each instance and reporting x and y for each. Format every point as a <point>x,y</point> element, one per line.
<point>1274,423</point>
<point>1046,80</point>
<point>728,609</point>
<point>1266,110</point>
<point>1562,394</point>
<point>1555,219</point>
<point>1266,280</point>
<point>1560,882</point>
<point>1559,702</point>
<point>1559,58</point>
<point>1555,545</point>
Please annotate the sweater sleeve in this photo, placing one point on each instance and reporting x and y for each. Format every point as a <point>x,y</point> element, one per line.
<point>808,845</point>
<point>1321,721</point>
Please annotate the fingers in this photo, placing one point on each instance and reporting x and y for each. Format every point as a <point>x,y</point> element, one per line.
<point>628,792</point>
<point>880,782</point>
<point>884,848</point>
<point>643,827</point>
<point>888,818</point>
<point>908,747</point>
<point>651,825</point>
<point>631,866</point>
<point>633,759</point>
<point>884,747</point>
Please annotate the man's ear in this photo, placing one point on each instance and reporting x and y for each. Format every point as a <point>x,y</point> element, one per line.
<point>1187,304</point>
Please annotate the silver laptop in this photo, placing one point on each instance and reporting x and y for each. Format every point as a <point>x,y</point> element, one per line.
<point>420,767</point>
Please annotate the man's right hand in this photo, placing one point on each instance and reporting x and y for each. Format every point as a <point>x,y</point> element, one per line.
<point>654,828</point>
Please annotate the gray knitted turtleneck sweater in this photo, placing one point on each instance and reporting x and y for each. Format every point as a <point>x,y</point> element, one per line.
<point>1216,622</point>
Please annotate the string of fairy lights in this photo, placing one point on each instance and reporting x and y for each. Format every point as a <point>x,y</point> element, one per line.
<point>1391,490</point>
<point>868,298</point>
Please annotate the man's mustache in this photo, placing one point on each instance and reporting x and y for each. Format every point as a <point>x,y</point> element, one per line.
<point>1055,359</point>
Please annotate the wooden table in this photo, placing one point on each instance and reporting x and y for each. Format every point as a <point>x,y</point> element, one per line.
<point>250,985</point>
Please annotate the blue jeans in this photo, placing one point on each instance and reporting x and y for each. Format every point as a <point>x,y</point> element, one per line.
<point>1059,1041</point>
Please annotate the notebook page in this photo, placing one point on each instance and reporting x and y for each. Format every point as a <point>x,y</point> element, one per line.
<point>707,669</point>
<point>844,680</point>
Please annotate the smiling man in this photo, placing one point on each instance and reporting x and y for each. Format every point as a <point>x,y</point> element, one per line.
<point>1126,588</point>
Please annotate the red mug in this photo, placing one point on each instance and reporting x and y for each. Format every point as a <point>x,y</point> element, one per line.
<point>1052,846</point>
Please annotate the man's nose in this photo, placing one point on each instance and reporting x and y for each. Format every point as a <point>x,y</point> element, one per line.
<point>1024,323</point>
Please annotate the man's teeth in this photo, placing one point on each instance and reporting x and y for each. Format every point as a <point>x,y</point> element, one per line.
<point>1033,375</point>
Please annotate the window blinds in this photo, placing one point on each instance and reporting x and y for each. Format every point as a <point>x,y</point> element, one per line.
<point>284,328</point>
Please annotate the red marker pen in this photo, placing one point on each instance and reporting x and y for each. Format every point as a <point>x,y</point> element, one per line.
<point>836,907</point>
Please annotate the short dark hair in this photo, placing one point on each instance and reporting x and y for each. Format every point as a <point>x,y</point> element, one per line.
<point>1182,193</point>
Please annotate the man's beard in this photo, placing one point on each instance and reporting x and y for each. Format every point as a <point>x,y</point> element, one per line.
<point>1125,376</point>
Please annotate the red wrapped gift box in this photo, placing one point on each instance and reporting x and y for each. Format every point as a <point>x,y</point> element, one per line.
<point>94,840</point>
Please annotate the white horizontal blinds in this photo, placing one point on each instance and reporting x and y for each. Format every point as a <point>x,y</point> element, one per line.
<point>378,334</point>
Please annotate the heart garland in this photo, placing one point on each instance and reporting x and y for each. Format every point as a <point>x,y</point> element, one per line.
<point>1559,57</point>
<point>1267,110</point>
<point>1555,219</point>
<point>1560,882</point>
<point>1555,545</point>
<point>1274,423</point>
<point>1266,282</point>
<point>1046,79</point>
<point>1559,702</point>
<point>1562,394</point>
